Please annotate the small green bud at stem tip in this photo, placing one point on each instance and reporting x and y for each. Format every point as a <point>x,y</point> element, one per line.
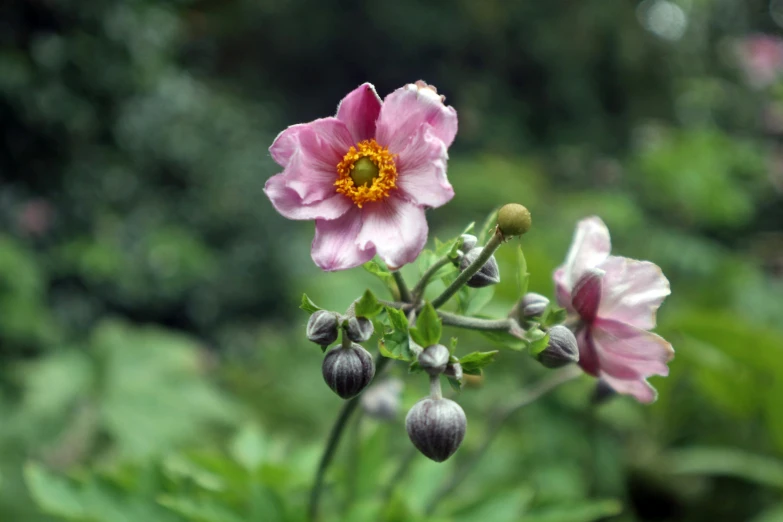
<point>514,220</point>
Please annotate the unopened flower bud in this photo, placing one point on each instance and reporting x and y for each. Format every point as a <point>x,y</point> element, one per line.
<point>322,328</point>
<point>513,220</point>
<point>359,329</point>
<point>436,427</point>
<point>348,371</point>
<point>531,305</point>
<point>468,242</point>
<point>489,274</point>
<point>561,350</point>
<point>382,400</point>
<point>434,359</point>
<point>454,371</point>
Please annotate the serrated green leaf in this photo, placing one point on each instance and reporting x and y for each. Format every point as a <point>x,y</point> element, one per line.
<point>368,306</point>
<point>472,363</point>
<point>381,272</point>
<point>308,305</point>
<point>554,316</point>
<point>428,327</point>
<point>395,343</point>
<point>523,277</point>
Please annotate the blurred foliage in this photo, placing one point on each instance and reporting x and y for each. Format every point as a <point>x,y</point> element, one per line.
<point>152,360</point>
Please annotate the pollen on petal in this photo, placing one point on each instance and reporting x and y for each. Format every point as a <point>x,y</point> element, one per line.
<point>368,190</point>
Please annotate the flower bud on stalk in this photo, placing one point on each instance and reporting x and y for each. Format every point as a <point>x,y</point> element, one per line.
<point>561,350</point>
<point>359,329</point>
<point>434,359</point>
<point>348,371</point>
<point>513,220</point>
<point>530,306</point>
<point>489,274</point>
<point>436,427</point>
<point>322,328</point>
<point>468,242</point>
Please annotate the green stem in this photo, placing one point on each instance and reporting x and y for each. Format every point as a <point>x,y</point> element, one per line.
<point>494,242</point>
<point>405,294</point>
<point>476,323</point>
<point>334,439</point>
<point>418,290</point>
<point>501,416</point>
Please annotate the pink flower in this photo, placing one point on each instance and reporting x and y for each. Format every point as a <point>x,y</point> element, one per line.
<point>615,299</point>
<point>366,175</point>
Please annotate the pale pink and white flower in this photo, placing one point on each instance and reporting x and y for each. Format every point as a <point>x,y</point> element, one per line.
<point>615,300</point>
<point>367,175</point>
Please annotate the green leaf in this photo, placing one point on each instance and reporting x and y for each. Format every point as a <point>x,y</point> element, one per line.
<point>523,277</point>
<point>308,305</point>
<point>731,462</point>
<point>472,363</point>
<point>368,306</point>
<point>478,298</point>
<point>513,338</point>
<point>554,316</point>
<point>537,340</point>
<point>428,327</point>
<point>455,384</point>
<point>381,272</point>
<point>248,447</point>
<point>395,343</point>
<point>54,495</point>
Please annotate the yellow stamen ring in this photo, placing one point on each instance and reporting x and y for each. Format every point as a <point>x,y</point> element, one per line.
<point>364,184</point>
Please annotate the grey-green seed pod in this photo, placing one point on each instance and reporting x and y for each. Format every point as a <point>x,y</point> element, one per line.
<point>434,359</point>
<point>348,371</point>
<point>468,242</point>
<point>322,328</point>
<point>561,350</point>
<point>489,274</point>
<point>532,305</point>
<point>359,329</point>
<point>436,427</point>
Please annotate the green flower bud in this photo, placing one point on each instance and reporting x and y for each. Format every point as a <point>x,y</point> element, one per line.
<point>434,359</point>
<point>489,274</point>
<point>436,427</point>
<point>348,371</point>
<point>513,220</point>
<point>561,350</point>
<point>359,329</point>
<point>322,328</point>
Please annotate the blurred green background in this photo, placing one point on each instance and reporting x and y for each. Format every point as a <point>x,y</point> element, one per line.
<point>153,365</point>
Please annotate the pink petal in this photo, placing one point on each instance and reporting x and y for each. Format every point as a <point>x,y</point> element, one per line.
<point>290,204</point>
<point>359,111</point>
<point>640,389</point>
<point>589,248</point>
<point>562,291</point>
<point>286,143</point>
<point>588,356</point>
<point>407,109</point>
<point>335,247</point>
<point>421,168</point>
<point>586,295</point>
<point>627,352</point>
<point>632,291</point>
<point>396,228</point>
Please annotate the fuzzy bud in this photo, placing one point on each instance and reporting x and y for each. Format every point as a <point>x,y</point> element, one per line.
<point>322,328</point>
<point>454,371</point>
<point>468,242</point>
<point>436,427</point>
<point>359,329</point>
<point>561,350</point>
<point>532,305</point>
<point>513,220</point>
<point>382,400</point>
<point>434,359</point>
<point>348,371</point>
<point>489,274</point>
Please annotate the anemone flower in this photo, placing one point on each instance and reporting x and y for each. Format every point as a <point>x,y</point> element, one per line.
<point>613,301</point>
<point>367,175</point>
